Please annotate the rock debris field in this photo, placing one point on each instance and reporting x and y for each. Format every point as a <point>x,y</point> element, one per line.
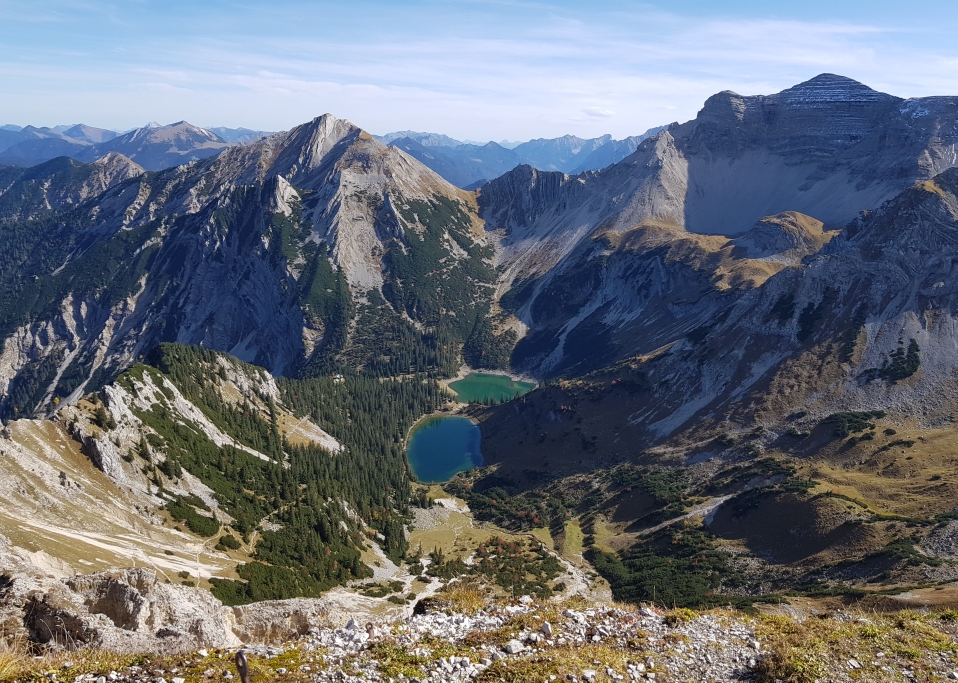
<point>533,642</point>
<point>523,642</point>
<point>712,651</point>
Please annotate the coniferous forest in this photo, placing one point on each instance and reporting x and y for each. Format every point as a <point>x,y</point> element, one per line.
<point>309,510</point>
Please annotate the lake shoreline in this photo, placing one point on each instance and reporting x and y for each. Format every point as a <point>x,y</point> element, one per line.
<point>436,457</point>
<point>465,371</point>
<point>480,387</point>
<point>453,412</point>
<point>458,405</point>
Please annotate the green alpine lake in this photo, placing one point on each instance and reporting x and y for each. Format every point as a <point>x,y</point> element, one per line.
<point>440,447</point>
<point>477,387</point>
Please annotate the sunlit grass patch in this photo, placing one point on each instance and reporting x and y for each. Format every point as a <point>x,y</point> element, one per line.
<point>13,658</point>
<point>395,660</point>
<point>573,545</point>
<point>806,651</point>
<point>466,595</point>
<point>562,662</point>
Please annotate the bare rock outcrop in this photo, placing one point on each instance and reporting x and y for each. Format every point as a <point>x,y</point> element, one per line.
<point>276,621</point>
<point>220,253</point>
<point>124,610</point>
<point>134,610</point>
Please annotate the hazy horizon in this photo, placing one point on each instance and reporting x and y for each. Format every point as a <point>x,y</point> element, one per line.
<point>470,70</point>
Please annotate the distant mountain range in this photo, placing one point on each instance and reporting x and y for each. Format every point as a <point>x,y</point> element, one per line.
<point>240,135</point>
<point>699,214</point>
<point>29,146</point>
<point>465,164</point>
<point>470,165</point>
<point>153,146</point>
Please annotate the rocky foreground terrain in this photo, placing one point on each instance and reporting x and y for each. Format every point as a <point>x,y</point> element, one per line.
<point>460,635</point>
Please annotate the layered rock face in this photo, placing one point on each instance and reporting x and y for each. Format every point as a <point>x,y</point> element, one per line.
<point>633,291</point>
<point>829,148</point>
<point>597,267</point>
<point>826,149</point>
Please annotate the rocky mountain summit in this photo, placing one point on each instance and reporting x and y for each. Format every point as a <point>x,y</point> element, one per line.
<point>60,184</point>
<point>829,148</point>
<point>233,253</point>
<point>822,148</point>
<point>158,147</point>
<point>750,319</point>
<point>619,255</point>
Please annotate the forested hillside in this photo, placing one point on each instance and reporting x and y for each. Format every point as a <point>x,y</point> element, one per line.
<point>307,510</point>
<point>315,251</point>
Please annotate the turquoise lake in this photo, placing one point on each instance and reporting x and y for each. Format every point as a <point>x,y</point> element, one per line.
<point>443,446</point>
<point>476,387</point>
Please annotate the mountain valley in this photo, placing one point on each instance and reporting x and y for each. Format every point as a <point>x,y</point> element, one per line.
<point>741,328</point>
<point>153,147</point>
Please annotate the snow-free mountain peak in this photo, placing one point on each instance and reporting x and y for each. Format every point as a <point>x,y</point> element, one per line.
<point>828,87</point>
<point>85,133</point>
<point>158,147</point>
<point>258,252</point>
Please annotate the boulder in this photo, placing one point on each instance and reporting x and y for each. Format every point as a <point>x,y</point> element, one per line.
<point>276,621</point>
<point>123,610</point>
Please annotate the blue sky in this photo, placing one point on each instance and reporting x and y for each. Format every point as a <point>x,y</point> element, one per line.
<point>471,69</point>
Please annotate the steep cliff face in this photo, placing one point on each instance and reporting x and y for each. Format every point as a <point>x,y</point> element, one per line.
<point>321,245</point>
<point>543,217</point>
<point>254,252</point>
<point>628,292</point>
<point>784,320</point>
<point>828,148</point>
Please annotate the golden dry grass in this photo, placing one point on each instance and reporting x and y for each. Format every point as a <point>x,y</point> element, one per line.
<point>603,534</point>
<point>466,595</point>
<point>560,662</point>
<point>810,650</point>
<point>13,659</point>
<point>573,544</point>
<point>18,664</point>
<point>544,536</point>
<point>916,480</point>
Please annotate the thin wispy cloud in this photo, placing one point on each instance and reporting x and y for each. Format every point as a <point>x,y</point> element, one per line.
<point>597,112</point>
<point>478,70</point>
